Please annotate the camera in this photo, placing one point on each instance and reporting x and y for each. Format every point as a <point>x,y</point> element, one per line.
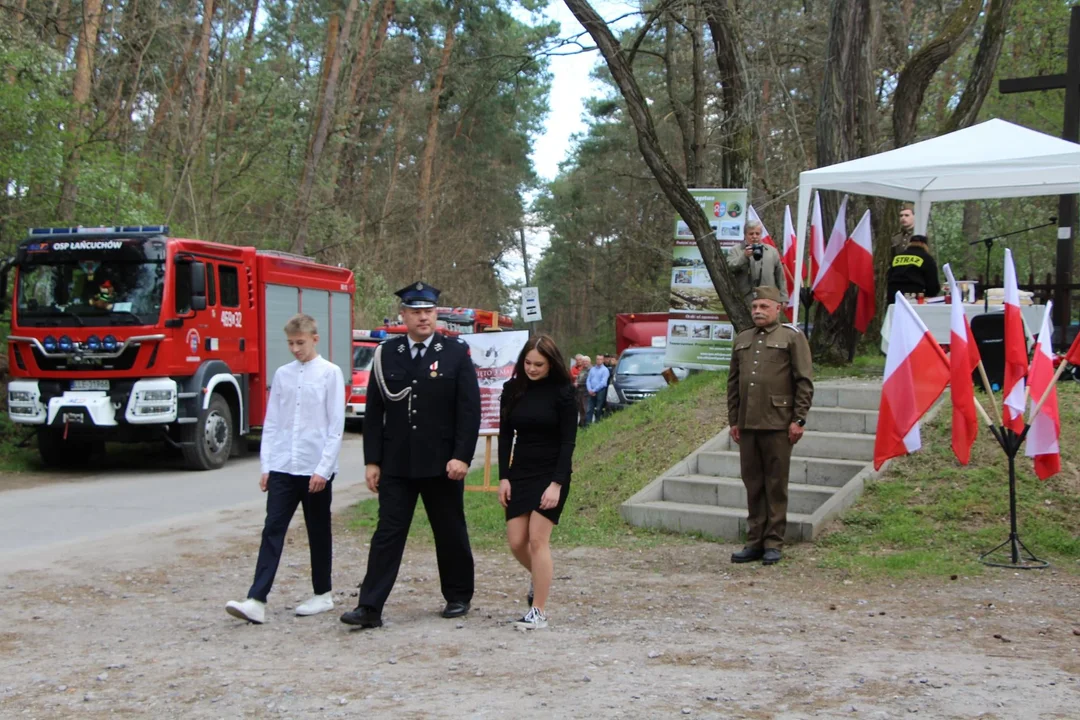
<point>758,250</point>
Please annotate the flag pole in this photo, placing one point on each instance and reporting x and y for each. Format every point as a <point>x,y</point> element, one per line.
<point>1048,390</point>
<point>990,391</point>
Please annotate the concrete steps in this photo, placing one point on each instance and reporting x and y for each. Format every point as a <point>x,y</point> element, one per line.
<point>704,493</point>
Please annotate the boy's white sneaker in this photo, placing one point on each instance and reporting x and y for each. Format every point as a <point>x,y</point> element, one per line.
<point>535,619</point>
<point>251,610</point>
<point>316,605</point>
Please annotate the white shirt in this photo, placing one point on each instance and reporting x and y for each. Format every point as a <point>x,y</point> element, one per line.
<point>305,419</point>
<point>426,345</point>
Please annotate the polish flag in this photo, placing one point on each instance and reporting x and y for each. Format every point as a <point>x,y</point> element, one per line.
<point>751,214</point>
<point>916,373</point>
<point>860,262</point>
<point>817,240</point>
<point>1042,438</point>
<point>1016,358</point>
<point>1073,356</point>
<point>964,360</point>
<point>832,279</point>
<point>789,264</point>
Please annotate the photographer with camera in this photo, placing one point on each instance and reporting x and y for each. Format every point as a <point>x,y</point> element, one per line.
<point>755,264</point>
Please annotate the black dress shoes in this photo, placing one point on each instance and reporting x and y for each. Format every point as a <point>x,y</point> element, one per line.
<point>747,554</point>
<point>455,608</point>
<point>771,556</point>
<point>363,616</point>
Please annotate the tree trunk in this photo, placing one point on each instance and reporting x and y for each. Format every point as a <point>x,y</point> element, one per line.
<point>698,72</point>
<point>245,58</point>
<point>983,68</point>
<point>651,150</point>
<point>845,84</point>
<point>431,144</point>
<point>198,92</point>
<point>919,70</point>
<point>739,116</point>
<point>163,110</point>
<point>678,107</point>
<point>325,118</point>
<point>80,91</point>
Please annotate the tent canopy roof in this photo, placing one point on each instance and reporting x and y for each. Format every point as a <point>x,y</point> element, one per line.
<point>990,160</point>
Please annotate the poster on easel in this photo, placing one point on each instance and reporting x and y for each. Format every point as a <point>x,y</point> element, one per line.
<point>699,334</point>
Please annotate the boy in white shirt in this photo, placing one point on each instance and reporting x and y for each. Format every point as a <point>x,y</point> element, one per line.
<point>301,440</point>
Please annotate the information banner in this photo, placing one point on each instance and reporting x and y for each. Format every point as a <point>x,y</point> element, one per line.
<point>494,355</point>
<point>699,334</point>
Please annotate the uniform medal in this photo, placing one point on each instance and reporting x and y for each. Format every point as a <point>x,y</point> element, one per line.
<point>435,369</point>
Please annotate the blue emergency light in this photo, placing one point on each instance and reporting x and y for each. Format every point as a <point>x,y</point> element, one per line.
<point>119,230</point>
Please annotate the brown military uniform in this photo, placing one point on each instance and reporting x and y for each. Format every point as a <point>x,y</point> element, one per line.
<point>770,386</point>
<point>900,242</point>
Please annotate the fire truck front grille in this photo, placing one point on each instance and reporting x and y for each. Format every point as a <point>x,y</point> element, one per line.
<point>125,361</point>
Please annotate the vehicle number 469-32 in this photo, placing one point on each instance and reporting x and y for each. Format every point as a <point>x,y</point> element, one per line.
<point>232,319</point>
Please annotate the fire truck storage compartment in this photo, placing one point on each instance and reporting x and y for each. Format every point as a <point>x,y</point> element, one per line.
<point>333,314</point>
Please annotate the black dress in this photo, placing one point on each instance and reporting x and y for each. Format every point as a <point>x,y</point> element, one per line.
<point>545,420</point>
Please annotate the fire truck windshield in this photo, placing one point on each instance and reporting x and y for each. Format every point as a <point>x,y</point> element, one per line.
<point>89,291</point>
<point>363,357</point>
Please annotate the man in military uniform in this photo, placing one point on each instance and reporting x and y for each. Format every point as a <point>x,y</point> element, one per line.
<point>756,264</point>
<point>770,388</point>
<point>907,228</point>
<point>423,419</point>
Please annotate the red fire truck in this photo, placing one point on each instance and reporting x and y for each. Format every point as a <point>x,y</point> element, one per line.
<point>364,344</point>
<point>127,334</point>
<point>471,320</point>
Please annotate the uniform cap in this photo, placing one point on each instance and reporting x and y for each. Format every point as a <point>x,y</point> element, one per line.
<point>418,295</point>
<point>767,293</point>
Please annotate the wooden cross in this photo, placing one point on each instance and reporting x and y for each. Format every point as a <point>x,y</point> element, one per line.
<point>1070,82</point>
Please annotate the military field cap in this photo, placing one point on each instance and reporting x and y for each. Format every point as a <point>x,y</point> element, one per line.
<point>767,293</point>
<point>418,295</point>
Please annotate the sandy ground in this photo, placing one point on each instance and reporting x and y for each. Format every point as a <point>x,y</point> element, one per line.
<point>134,626</point>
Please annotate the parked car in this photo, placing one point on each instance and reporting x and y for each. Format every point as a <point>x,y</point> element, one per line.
<point>639,375</point>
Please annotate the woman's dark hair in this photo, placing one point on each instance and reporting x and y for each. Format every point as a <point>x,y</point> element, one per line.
<point>518,382</point>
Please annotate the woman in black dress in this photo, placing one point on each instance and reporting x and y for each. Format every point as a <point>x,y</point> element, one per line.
<point>537,430</point>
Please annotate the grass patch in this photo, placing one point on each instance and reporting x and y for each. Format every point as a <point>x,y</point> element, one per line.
<point>930,516</point>
<point>870,366</point>
<point>614,459</point>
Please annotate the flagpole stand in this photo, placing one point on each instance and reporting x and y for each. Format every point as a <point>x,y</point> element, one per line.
<point>806,301</point>
<point>1010,442</point>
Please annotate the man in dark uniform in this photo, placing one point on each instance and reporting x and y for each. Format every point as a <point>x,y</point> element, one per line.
<point>907,228</point>
<point>423,419</point>
<point>914,271</point>
<point>770,388</point>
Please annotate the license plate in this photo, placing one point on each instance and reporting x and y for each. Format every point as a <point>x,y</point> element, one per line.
<point>90,385</point>
<point>76,418</point>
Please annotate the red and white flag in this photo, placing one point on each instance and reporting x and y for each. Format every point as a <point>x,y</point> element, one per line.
<point>1073,356</point>
<point>789,264</point>
<point>752,216</point>
<point>964,360</point>
<point>860,261</point>
<point>916,373</point>
<point>1016,357</point>
<point>817,240</point>
<point>832,279</point>
<point>1042,438</point>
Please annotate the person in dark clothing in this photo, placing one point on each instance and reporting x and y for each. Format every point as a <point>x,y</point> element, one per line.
<point>914,270</point>
<point>537,431</point>
<point>423,419</point>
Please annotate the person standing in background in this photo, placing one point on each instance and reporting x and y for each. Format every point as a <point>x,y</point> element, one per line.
<point>907,228</point>
<point>596,386</point>
<point>582,393</point>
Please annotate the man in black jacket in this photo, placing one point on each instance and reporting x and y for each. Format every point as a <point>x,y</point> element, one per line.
<point>423,419</point>
<point>914,270</point>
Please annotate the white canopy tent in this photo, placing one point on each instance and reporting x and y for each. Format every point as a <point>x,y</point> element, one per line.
<point>993,159</point>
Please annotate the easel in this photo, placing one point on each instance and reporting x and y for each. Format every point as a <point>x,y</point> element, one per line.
<point>487,486</point>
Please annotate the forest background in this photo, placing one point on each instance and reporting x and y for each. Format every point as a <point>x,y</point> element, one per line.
<point>393,136</point>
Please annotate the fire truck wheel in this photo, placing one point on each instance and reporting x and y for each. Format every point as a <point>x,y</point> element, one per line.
<point>209,441</point>
<point>55,451</point>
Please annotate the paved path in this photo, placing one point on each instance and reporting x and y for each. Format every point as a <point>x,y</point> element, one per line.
<point>98,504</point>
